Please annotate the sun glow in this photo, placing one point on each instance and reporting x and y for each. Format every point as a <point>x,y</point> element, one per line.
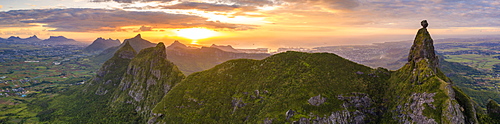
<point>196,34</point>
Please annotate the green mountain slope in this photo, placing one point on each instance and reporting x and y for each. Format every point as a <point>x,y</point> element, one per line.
<point>256,90</point>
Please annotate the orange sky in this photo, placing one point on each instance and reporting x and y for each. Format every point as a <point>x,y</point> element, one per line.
<point>249,23</point>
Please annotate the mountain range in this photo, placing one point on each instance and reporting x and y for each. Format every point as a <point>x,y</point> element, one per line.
<point>52,40</point>
<point>188,59</point>
<point>290,87</point>
<point>191,59</point>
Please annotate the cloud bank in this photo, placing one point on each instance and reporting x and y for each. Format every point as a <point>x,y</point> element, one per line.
<point>84,20</point>
<point>209,7</point>
<point>130,1</point>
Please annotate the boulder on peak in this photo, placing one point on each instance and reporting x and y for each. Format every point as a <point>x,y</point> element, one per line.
<point>424,23</point>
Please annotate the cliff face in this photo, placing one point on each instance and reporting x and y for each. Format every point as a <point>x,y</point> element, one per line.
<point>148,77</point>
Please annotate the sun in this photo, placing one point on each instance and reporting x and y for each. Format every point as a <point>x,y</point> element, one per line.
<point>196,33</point>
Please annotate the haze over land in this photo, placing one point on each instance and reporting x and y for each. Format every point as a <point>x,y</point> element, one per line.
<point>249,23</point>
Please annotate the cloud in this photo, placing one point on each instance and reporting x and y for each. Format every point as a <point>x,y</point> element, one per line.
<point>145,28</point>
<point>251,2</point>
<point>130,1</point>
<point>331,4</point>
<point>82,20</point>
<point>209,7</point>
<point>440,13</point>
<point>327,4</point>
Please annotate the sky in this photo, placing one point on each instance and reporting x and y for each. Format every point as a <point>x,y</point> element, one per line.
<point>250,23</point>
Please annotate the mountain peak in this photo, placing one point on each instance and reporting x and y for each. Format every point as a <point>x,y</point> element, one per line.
<point>34,36</point>
<point>58,38</point>
<point>138,36</point>
<point>423,48</point>
<point>14,38</point>
<point>227,48</point>
<point>160,50</point>
<point>160,44</point>
<point>177,44</point>
<point>126,51</point>
<point>138,43</point>
<point>101,44</point>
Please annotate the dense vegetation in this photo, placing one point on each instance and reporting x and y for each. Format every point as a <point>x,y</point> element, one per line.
<point>253,90</point>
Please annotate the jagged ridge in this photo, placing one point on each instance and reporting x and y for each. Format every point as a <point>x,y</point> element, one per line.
<point>148,77</point>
